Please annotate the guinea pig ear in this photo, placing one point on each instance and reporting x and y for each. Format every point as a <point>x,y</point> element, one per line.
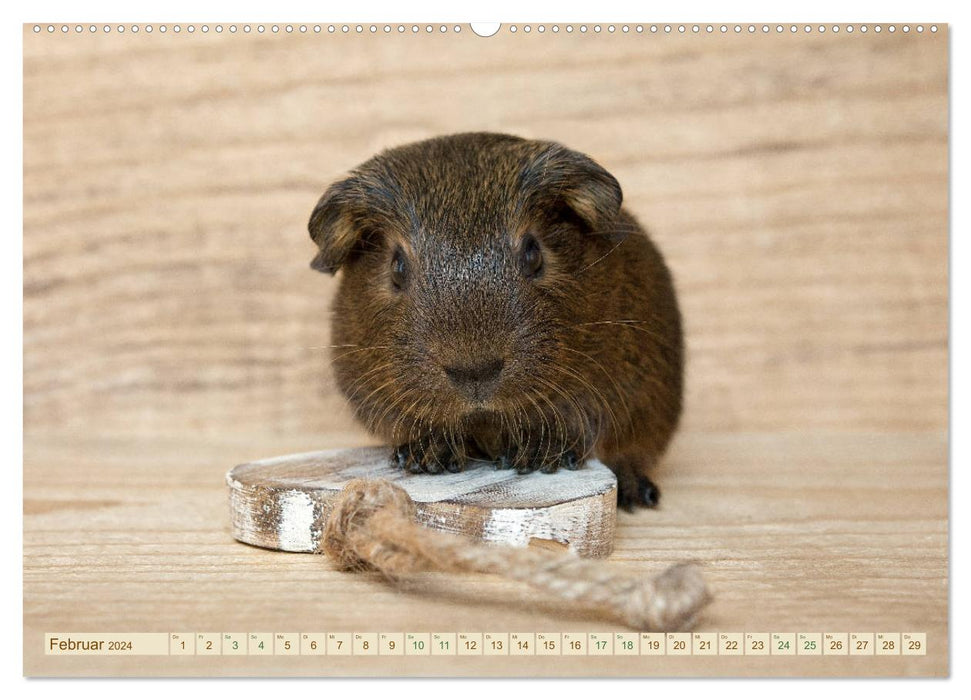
<point>558,176</point>
<point>332,225</point>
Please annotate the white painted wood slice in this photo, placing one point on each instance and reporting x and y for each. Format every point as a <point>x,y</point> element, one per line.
<point>283,502</point>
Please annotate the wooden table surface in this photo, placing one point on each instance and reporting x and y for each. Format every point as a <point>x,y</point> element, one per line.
<point>796,183</point>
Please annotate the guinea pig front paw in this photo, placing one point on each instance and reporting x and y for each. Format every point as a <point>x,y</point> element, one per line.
<point>542,461</point>
<point>422,458</point>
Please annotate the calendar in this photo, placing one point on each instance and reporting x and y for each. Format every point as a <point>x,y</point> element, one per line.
<point>487,644</point>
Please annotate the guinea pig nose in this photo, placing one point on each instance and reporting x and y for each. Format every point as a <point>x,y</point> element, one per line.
<point>475,373</point>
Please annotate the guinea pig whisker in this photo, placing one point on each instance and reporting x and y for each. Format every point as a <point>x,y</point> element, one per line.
<point>398,423</point>
<point>546,427</point>
<point>518,421</point>
<point>505,426</point>
<point>379,388</point>
<point>562,420</point>
<point>633,325</point>
<point>584,416</point>
<point>623,230</point>
<point>346,345</point>
<point>455,443</point>
<point>360,349</point>
<point>412,425</point>
<point>557,429</point>
<point>618,396</point>
<point>426,431</point>
<point>601,258</point>
<point>596,392</point>
<point>522,417</point>
<point>563,394</point>
<point>581,416</point>
<point>398,396</point>
<point>510,425</point>
<point>357,386</point>
<point>358,383</point>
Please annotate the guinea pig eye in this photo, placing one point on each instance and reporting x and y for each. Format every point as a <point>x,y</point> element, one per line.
<point>531,257</point>
<point>399,269</point>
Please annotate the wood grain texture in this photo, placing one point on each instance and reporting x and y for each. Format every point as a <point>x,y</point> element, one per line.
<point>796,532</point>
<point>284,502</point>
<point>796,184</point>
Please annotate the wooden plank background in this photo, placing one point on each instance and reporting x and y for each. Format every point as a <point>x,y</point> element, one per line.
<point>796,183</point>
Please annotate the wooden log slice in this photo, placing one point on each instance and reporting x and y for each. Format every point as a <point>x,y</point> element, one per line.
<point>283,502</point>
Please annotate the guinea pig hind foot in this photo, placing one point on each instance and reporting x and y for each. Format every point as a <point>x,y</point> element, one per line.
<point>643,493</point>
<point>647,492</point>
<point>634,489</point>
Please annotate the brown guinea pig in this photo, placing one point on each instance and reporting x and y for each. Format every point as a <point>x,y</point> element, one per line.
<point>497,303</point>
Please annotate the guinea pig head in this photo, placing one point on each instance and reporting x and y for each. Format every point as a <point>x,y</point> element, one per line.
<point>463,260</point>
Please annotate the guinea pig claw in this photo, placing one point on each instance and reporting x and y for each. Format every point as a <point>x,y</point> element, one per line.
<point>426,459</point>
<point>403,459</point>
<point>433,466</point>
<point>454,465</point>
<point>549,468</point>
<point>570,461</point>
<point>400,457</point>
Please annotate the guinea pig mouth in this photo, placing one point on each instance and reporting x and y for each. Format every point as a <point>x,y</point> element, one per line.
<point>478,397</point>
<point>476,381</point>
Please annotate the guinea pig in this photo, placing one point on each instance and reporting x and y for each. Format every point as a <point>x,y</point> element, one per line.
<point>497,303</point>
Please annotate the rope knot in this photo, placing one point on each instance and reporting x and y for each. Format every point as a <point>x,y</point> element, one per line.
<point>373,525</point>
<point>670,601</point>
<point>352,520</point>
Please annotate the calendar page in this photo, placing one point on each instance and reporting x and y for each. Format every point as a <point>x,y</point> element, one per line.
<point>713,257</point>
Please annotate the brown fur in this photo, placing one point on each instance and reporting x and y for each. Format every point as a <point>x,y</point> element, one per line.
<point>477,354</point>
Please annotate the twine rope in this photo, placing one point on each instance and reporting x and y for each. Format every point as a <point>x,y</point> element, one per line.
<point>373,525</point>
